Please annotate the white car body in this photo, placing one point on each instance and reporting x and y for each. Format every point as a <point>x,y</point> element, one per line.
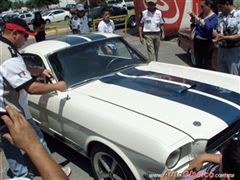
<point>56,15</point>
<point>28,17</point>
<point>143,114</point>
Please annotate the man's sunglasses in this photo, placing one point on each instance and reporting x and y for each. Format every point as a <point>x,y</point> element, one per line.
<point>24,34</point>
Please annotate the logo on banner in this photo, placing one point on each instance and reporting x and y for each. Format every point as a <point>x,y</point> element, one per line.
<point>172,10</point>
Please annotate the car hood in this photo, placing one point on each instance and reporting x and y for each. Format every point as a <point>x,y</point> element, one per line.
<point>197,109</point>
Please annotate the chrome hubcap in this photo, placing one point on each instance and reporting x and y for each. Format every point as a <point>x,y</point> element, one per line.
<point>107,168</point>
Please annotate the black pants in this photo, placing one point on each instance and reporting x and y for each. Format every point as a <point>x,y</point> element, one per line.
<point>41,36</point>
<point>202,52</point>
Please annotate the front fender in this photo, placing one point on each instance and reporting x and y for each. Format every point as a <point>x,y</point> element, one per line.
<point>115,149</point>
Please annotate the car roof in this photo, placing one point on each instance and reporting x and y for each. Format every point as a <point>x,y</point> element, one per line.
<point>50,46</point>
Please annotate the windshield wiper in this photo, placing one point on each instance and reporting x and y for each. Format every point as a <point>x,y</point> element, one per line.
<point>124,67</point>
<point>83,82</point>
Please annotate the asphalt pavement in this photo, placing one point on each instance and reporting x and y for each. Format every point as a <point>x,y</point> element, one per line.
<point>169,52</point>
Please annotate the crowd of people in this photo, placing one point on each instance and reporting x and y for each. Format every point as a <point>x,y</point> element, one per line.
<point>15,78</point>
<point>212,30</point>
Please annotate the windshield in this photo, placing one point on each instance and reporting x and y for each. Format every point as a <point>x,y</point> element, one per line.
<point>46,13</point>
<point>81,63</point>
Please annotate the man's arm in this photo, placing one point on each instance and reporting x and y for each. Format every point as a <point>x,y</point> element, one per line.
<point>235,37</point>
<point>41,88</point>
<point>197,163</point>
<point>23,136</point>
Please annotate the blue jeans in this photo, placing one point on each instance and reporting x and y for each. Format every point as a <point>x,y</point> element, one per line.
<point>16,160</point>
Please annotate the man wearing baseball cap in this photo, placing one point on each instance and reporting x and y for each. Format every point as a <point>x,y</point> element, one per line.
<point>151,21</point>
<point>15,83</point>
<point>15,34</point>
<point>79,22</point>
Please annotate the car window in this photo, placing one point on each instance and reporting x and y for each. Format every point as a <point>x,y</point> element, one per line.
<point>34,63</point>
<point>79,63</point>
<point>46,13</point>
<point>58,12</point>
<point>28,15</point>
<point>22,16</point>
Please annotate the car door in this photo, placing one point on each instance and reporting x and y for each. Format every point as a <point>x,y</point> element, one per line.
<point>29,18</point>
<point>46,109</point>
<point>22,16</point>
<point>58,15</point>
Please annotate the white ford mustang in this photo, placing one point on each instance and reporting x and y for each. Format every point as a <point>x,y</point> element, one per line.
<point>132,119</point>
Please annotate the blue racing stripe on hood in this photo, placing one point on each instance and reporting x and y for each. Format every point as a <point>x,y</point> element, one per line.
<point>95,37</point>
<point>203,87</point>
<point>220,109</point>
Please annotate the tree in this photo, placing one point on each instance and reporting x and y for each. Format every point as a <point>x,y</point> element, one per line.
<point>4,5</point>
<point>17,4</point>
<point>40,3</point>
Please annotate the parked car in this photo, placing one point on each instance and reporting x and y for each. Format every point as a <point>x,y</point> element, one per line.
<point>6,16</point>
<point>56,15</point>
<point>185,41</point>
<point>28,17</point>
<point>131,118</point>
<point>121,3</point>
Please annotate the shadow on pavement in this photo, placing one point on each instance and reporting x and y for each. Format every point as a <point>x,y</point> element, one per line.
<point>69,154</point>
<point>185,58</point>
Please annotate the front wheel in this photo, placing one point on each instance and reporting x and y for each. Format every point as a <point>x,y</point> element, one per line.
<point>67,18</point>
<point>107,165</point>
<point>47,21</point>
<point>132,22</point>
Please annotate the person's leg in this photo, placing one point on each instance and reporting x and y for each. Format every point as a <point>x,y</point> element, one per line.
<point>206,54</point>
<point>234,61</point>
<point>39,134</point>
<point>150,47</point>
<point>198,52</point>
<point>16,160</point>
<point>156,45</point>
<point>221,60</point>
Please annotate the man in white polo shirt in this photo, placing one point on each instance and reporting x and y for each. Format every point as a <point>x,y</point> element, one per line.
<point>151,21</point>
<point>15,84</point>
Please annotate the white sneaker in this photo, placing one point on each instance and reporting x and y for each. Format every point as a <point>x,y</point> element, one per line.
<point>67,170</point>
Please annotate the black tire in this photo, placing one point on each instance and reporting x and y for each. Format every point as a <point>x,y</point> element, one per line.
<point>47,21</point>
<point>132,22</point>
<point>66,18</point>
<point>115,165</point>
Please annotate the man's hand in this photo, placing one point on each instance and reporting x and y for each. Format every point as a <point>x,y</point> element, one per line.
<point>196,164</point>
<point>61,86</point>
<point>218,37</point>
<point>20,133</point>
<point>47,73</point>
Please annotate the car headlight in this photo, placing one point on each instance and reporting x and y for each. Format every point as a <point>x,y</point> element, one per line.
<point>173,158</point>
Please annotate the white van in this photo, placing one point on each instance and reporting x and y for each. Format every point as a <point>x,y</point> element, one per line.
<point>121,3</point>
